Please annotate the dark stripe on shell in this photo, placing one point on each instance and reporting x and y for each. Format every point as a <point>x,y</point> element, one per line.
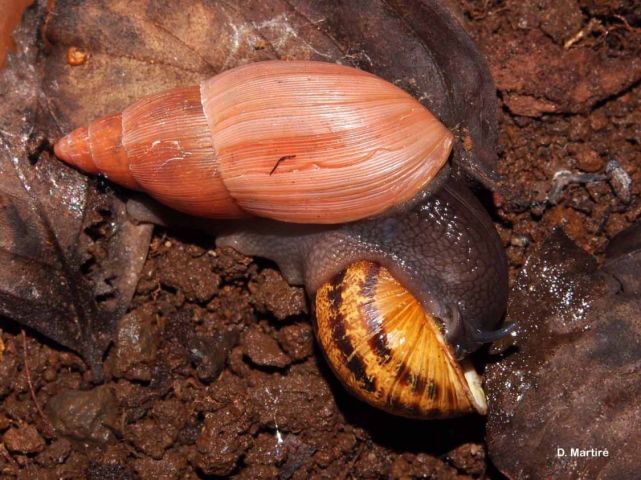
<point>411,410</point>
<point>355,365</point>
<point>419,383</point>
<point>337,325</point>
<point>334,293</point>
<point>373,322</point>
<point>410,379</point>
<point>432,390</point>
<point>336,320</point>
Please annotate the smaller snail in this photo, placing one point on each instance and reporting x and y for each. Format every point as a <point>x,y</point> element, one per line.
<point>399,298</point>
<point>388,350</point>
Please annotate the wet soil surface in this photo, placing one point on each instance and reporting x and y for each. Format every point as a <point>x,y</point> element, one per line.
<point>215,371</point>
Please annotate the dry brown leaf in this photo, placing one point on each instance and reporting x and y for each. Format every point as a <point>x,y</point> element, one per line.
<point>11,13</point>
<point>69,258</point>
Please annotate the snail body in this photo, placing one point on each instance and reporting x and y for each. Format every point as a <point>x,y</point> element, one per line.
<point>326,154</point>
<point>399,300</point>
<point>300,141</point>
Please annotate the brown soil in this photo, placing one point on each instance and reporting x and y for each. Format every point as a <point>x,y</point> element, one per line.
<point>215,370</point>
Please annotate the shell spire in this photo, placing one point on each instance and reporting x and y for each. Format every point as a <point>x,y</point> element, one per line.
<point>300,141</point>
<point>98,149</point>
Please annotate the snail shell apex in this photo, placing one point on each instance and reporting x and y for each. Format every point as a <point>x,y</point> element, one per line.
<point>388,351</point>
<point>296,141</point>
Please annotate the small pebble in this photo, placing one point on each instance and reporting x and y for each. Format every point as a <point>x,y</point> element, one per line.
<point>520,240</point>
<point>297,340</point>
<point>588,160</point>
<point>263,350</point>
<point>76,56</point>
<point>23,439</point>
<point>56,453</point>
<point>619,181</point>
<point>87,415</point>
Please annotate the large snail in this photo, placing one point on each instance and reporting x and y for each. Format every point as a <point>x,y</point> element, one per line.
<point>401,294</point>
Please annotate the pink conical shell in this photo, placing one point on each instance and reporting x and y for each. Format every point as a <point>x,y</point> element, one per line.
<point>304,142</point>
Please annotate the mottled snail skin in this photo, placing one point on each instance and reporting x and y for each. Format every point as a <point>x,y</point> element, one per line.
<point>444,251</point>
<point>450,262</point>
<point>299,141</point>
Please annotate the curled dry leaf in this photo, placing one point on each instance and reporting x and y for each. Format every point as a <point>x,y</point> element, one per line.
<point>69,258</point>
<point>623,257</point>
<point>573,381</point>
<point>11,13</point>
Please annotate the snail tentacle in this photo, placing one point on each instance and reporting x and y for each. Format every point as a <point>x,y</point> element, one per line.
<point>495,335</point>
<point>466,339</point>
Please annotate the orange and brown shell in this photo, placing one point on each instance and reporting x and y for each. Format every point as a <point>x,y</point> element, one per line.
<point>297,141</point>
<point>388,351</point>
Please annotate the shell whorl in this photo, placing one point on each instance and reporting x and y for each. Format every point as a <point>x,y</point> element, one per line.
<point>303,142</point>
<point>161,145</point>
<point>388,351</point>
